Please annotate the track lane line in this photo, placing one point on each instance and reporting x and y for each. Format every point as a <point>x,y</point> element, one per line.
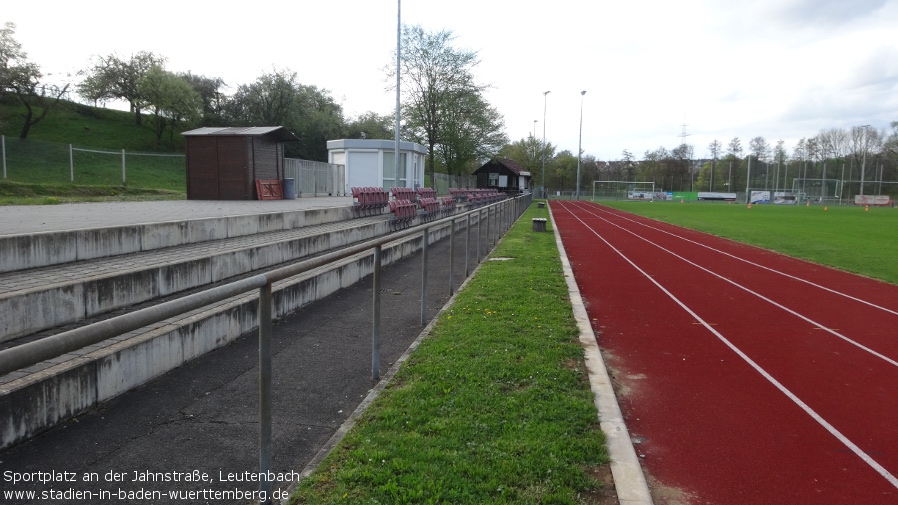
<point>758,265</point>
<point>882,471</point>
<point>821,326</point>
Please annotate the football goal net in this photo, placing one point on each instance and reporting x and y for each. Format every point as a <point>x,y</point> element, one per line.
<point>623,190</point>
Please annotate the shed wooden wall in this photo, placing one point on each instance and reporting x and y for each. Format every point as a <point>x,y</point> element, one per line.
<point>226,167</point>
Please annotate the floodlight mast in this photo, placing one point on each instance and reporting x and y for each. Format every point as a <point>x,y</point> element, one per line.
<point>545,99</point>
<point>580,143</point>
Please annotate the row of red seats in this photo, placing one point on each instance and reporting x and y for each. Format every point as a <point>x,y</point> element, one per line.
<point>369,200</point>
<point>447,205</point>
<point>403,212</point>
<point>430,208</point>
<point>407,194</point>
<point>427,193</point>
<point>477,196</point>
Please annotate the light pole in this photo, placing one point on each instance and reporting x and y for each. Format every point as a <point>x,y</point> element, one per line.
<point>545,99</point>
<point>864,160</point>
<point>580,143</point>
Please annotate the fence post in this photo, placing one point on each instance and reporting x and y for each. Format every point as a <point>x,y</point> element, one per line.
<point>424,277</point>
<point>123,167</point>
<point>451,257</point>
<point>467,245</point>
<point>375,318</point>
<point>489,222</point>
<point>3,148</point>
<point>265,329</point>
<point>71,165</point>
<point>479,231</point>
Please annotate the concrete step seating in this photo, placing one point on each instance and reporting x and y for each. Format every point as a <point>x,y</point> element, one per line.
<point>164,259</point>
<point>36,299</point>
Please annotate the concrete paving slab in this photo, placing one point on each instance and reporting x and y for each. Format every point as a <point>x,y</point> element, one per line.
<point>22,219</point>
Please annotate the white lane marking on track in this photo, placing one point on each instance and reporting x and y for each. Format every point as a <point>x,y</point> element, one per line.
<point>783,389</point>
<point>758,265</point>
<point>816,324</point>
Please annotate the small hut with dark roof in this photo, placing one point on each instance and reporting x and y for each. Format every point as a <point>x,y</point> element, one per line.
<point>225,163</point>
<point>503,174</point>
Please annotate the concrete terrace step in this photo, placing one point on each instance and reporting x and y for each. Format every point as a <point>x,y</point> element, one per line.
<point>38,397</point>
<point>24,243</point>
<point>40,298</point>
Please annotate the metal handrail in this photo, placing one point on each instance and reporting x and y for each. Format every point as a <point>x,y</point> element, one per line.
<point>53,346</point>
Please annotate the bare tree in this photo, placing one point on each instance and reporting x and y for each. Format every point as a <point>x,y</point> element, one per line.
<point>715,148</point>
<point>23,78</point>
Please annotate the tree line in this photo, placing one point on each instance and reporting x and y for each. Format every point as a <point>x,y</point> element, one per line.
<point>855,154</point>
<point>443,106</point>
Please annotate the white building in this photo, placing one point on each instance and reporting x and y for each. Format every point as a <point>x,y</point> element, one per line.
<point>371,163</point>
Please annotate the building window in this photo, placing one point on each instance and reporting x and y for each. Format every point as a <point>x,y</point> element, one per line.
<point>494,179</point>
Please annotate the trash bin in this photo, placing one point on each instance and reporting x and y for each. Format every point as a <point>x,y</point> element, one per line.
<point>539,224</point>
<point>289,189</point>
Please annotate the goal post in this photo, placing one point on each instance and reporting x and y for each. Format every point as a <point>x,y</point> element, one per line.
<point>623,190</point>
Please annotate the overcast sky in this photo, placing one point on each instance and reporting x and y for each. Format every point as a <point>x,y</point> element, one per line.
<point>781,69</point>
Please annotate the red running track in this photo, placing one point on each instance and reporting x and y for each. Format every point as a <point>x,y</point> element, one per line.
<point>745,376</point>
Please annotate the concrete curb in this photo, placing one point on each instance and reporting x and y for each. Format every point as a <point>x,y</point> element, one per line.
<point>629,481</point>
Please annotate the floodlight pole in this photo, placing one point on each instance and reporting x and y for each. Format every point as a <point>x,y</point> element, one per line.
<point>864,160</point>
<point>545,99</point>
<point>580,143</point>
<point>398,75</point>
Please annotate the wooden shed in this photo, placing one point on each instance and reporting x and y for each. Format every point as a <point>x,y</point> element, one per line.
<point>225,163</point>
<point>503,174</point>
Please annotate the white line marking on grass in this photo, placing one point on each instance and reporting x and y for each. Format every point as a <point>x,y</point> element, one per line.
<point>789,394</point>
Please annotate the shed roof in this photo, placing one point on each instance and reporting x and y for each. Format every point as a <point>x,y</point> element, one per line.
<point>511,165</point>
<point>278,132</point>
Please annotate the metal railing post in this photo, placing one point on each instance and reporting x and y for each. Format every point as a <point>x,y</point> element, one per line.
<point>452,257</point>
<point>424,277</point>
<point>375,318</point>
<point>479,231</point>
<point>489,212</point>
<point>265,330</point>
<point>467,245</point>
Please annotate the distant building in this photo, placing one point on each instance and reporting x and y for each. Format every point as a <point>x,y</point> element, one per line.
<point>372,163</point>
<point>504,175</point>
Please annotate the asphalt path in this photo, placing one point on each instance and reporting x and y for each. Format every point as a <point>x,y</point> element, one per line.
<point>744,376</point>
<point>202,418</point>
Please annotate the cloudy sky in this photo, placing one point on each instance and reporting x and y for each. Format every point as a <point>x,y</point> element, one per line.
<point>652,69</point>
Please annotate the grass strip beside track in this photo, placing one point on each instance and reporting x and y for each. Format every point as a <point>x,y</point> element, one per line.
<point>493,407</point>
<point>849,238</point>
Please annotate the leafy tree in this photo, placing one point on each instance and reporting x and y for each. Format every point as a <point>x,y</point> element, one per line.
<point>113,78</point>
<point>278,99</point>
<point>212,96</point>
<point>440,100</point>
<point>171,99</point>
<point>529,154</point>
<point>373,125</point>
<point>23,78</point>
<point>564,169</point>
<point>473,131</point>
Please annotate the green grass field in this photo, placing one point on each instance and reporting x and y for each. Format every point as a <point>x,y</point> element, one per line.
<point>39,169</point>
<point>850,238</point>
<point>494,405</point>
